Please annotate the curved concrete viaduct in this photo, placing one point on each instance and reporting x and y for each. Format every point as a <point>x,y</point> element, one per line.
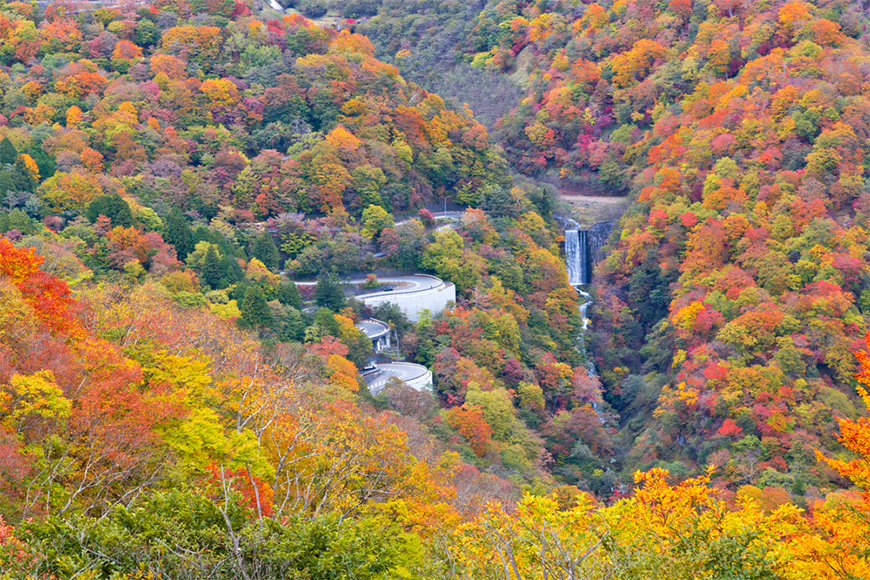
<point>377,331</point>
<point>415,376</point>
<point>413,294</point>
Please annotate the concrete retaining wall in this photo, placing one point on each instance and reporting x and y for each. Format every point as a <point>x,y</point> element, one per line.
<point>383,330</point>
<point>414,302</point>
<point>423,383</point>
<point>420,383</point>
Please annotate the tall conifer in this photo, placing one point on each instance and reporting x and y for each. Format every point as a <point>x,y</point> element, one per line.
<point>255,310</point>
<point>288,294</point>
<point>178,233</point>
<point>8,152</point>
<point>265,250</point>
<point>212,272</point>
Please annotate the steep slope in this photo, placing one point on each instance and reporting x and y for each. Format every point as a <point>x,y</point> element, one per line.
<point>738,286</point>
<point>738,289</point>
<point>260,117</point>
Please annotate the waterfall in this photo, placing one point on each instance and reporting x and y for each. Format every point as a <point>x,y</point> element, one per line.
<point>577,257</point>
<point>583,250</point>
<point>572,248</point>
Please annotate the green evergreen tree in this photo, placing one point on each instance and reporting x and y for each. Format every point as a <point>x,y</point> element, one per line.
<point>222,244</point>
<point>255,310</point>
<point>212,272</point>
<point>178,233</point>
<point>237,291</point>
<point>44,162</point>
<point>222,8</point>
<point>325,319</point>
<point>147,33</point>
<point>543,198</point>
<point>6,185</point>
<point>203,234</point>
<point>266,251</point>
<point>328,292</point>
<point>124,217</point>
<point>113,207</point>
<point>232,272</point>
<point>359,349</point>
<point>288,295</point>
<point>21,177</point>
<point>8,152</point>
<point>293,325</point>
<point>4,222</point>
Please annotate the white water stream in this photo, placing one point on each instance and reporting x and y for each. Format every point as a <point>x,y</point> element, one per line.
<point>576,257</point>
<point>581,340</point>
<point>584,306</point>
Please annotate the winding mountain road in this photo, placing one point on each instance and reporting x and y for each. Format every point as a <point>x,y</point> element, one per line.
<point>400,284</point>
<point>416,376</point>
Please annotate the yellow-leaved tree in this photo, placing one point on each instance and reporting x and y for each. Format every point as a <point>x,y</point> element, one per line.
<point>665,530</point>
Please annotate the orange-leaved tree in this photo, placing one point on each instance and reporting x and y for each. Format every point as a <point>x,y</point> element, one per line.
<point>855,435</point>
<point>841,542</point>
<point>48,295</point>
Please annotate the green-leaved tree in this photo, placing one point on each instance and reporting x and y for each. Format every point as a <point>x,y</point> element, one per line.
<point>178,233</point>
<point>255,310</point>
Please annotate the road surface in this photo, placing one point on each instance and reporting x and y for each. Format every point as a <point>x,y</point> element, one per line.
<point>450,215</point>
<point>405,372</point>
<point>400,284</point>
<point>372,328</point>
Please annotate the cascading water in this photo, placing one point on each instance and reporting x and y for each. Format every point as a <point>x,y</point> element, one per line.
<point>577,257</point>
<point>581,339</point>
<point>584,249</point>
<point>584,306</point>
<point>577,261</point>
<point>572,249</point>
<point>567,221</point>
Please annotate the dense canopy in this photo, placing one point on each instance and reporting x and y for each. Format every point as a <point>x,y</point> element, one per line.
<point>193,195</point>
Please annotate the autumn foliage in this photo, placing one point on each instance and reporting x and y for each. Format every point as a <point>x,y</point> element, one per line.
<point>174,405</point>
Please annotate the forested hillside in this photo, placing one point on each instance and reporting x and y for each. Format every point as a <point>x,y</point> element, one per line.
<point>174,405</point>
<point>738,289</point>
<point>749,231</point>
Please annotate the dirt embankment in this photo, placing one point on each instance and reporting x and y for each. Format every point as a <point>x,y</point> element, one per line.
<point>591,209</point>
